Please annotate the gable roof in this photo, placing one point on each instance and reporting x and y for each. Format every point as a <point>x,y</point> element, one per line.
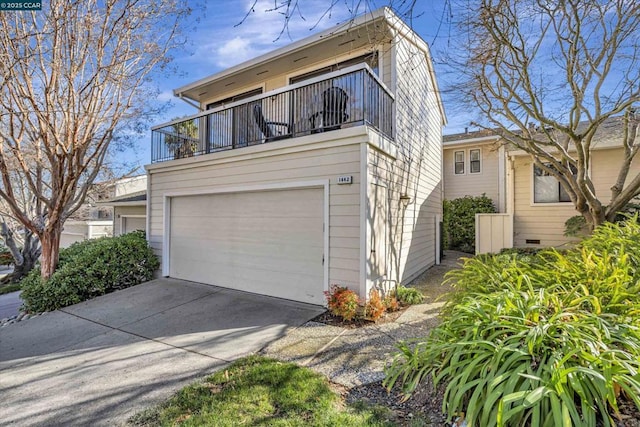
<point>610,134</point>
<point>138,198</point>
<point>478,136</point>
<point>191,90</point>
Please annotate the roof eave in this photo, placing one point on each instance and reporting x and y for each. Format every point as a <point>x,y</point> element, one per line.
<point>285,50</point>
<point>482,139</point>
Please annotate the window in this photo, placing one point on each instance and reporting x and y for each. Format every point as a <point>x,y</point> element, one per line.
<point>459,162</point>
<point>370,59</point>
<point>546,188</point>
<point>234,98</point>
<point>474,161</point>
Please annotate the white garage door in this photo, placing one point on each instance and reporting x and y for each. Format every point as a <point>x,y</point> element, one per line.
<point>130,224</point>
<point>267,242</point>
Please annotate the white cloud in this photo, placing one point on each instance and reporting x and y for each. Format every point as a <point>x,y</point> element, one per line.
<point>230,40</point>
<point>234,51</point>
<point>165,95</point>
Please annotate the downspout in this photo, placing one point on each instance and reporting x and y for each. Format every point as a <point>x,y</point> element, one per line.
<point>502,180</point>
<point>511,179</point>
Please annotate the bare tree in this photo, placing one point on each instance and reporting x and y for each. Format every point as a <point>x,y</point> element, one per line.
<point>290,10</point>
<point>21,242</point>
<point>72,76</point>
<point>548,74</point>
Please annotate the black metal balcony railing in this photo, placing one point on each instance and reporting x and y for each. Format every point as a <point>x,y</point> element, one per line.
<point>347,98</point>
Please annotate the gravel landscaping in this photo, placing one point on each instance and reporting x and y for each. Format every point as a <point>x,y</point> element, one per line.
<point>424,408</point>
<point>18,318</point>
<point>353,356</point>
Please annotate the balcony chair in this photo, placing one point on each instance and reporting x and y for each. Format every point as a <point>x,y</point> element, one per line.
<point>334,112</point>
<point>266,126</point>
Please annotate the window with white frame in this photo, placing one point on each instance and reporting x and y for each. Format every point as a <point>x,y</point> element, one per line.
<point>458,162</point>
<point>547,188</point>
<point>474,161</point>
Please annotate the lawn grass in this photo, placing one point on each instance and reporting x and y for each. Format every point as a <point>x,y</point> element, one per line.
<point>9,288</point>
<point>257,391</point>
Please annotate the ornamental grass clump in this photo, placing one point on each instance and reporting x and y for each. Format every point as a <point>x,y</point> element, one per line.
<point>552,340</point>
<point>408,296</point>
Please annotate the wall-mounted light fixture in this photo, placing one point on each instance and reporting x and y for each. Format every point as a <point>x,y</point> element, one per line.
<point>405,200</point>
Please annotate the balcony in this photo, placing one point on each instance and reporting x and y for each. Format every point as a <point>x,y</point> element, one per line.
<point>350,97</point>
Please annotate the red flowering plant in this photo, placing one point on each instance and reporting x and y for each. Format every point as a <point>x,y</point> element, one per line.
<point>342,302</point>
<point>375,307</point>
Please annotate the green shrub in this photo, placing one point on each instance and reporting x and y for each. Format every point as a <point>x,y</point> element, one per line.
<point>5,257</point>
<point>459,218</point>
<point>546,339</point>
<point>89,269</point>
<point>409,296</point>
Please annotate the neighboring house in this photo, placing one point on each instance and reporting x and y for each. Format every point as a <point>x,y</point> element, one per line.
<point>129,203</point>
<point>318,163</point>
<point>537,204</point>
<point>92,220</point>
<point>79,230</point>
<point>474,164</point>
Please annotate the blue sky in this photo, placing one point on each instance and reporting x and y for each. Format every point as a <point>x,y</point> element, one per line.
<point>216,42</point>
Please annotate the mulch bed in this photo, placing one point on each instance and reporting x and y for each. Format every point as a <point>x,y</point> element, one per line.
<point>329,319</point>
<point>425,403</point>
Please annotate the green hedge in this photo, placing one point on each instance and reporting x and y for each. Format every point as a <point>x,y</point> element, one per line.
<point>89,269</point>
<point>460,221</point>
<point>546,339</point>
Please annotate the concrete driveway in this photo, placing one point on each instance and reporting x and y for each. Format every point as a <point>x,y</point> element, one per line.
<point>99,362</point>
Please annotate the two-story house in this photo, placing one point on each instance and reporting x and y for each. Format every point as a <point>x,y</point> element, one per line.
<point>536,205</point>
<point>318,163</point>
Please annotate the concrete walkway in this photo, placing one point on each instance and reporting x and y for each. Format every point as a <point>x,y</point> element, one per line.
<point>99,362</point>
<point>10,304</point>
<point>353,357</point>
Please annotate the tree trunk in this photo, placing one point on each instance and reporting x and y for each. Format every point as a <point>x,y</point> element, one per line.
<point>24,258</point>
<point>29,259</point>
<point>50,241</point>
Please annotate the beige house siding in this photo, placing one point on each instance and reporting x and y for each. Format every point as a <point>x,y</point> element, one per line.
<point>282,80</point>
<point>130,185</point>
<point>315,157</point>
<point>72,232</point>
<point>472,184</point>
<point>545,222</point>
<point>77,231</point>
<point>370,237</point>
<point>417,169</point>
<point>123,211</point>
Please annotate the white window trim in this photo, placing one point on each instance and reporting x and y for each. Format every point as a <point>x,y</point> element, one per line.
<point>479,160</point>
<point>464,162</point>
<point>231,94</point>
<point>123,218</point>
<point>532,191</point>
